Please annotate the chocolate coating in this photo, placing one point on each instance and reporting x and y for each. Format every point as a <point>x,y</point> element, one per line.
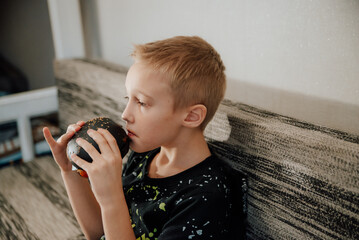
<point>116,130</point>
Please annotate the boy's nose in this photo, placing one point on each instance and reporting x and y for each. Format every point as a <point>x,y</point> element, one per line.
<point>126,116</point>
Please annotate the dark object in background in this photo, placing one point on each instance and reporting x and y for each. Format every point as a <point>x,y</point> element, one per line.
<point>12,80</point>
<point>116,130</point>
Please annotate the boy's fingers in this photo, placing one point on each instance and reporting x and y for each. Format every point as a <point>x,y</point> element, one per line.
<point>73,128</point>
<point>80,123</point>
<point>67,136</point>
<point>111,140</point>
<point>89,148</point>
<point>48,137</point>
<point>80,162</point>
<point>100,140</point>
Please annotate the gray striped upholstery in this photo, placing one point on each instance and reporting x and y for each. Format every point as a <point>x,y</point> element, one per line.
<point>303,180</point>
<point>34,203</point>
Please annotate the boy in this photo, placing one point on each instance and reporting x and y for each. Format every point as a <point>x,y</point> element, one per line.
<point>172,186</point>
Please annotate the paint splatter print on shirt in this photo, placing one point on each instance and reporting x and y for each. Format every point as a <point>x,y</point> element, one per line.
<point>194,204</point>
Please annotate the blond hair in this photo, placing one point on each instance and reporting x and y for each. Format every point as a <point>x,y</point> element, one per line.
<point>194,68</point>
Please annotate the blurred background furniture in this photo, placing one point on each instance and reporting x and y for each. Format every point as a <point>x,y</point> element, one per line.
<point>20,108</point>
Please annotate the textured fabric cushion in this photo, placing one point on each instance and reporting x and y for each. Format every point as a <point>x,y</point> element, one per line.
<point>303,180</point>
<point>88,90</point>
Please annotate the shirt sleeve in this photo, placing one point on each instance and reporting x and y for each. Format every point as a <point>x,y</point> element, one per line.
<point>204,216</point>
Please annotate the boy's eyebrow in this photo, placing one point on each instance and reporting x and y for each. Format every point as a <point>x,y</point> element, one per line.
<point>144,94</point>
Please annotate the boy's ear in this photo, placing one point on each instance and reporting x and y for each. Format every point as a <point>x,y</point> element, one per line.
<point>195,116</point>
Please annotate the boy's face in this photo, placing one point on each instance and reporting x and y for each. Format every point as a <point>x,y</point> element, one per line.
<point>150,116</point>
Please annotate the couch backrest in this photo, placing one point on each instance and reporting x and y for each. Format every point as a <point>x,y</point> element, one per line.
<point>303,180</point>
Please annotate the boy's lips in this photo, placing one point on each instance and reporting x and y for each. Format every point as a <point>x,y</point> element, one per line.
<point>130,133</point>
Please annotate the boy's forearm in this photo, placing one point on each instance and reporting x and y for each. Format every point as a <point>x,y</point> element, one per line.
<point>116,220</point>
<point>84,204</point>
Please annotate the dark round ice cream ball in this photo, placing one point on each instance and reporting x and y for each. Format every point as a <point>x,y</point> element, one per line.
<point>115,129</point>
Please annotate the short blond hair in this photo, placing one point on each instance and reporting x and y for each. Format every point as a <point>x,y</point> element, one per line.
<point>194,68</point>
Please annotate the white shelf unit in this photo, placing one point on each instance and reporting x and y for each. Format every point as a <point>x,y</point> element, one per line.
<point>21,107</point>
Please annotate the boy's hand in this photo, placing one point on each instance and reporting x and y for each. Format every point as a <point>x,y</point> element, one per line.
<point>58,148</point>
<point>105,171</point>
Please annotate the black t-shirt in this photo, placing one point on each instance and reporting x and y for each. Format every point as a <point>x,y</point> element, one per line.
<point>197,203</point>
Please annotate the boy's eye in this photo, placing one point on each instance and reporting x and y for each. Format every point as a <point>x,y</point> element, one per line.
<point>138,101</point>
<point>142,104</point>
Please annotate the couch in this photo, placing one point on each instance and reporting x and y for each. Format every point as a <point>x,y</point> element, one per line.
<point>302,179</point>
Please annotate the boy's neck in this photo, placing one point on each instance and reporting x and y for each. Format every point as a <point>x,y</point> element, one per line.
<point>172,160</point>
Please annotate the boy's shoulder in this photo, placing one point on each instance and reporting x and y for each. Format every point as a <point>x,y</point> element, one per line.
<point>213,174</point>
<point>212,166</point>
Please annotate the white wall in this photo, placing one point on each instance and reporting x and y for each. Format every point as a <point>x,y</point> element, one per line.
<point>299,58</point>
<point>66,26</point>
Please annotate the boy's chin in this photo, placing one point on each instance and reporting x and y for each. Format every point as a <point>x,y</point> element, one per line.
<point>141,149</point>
